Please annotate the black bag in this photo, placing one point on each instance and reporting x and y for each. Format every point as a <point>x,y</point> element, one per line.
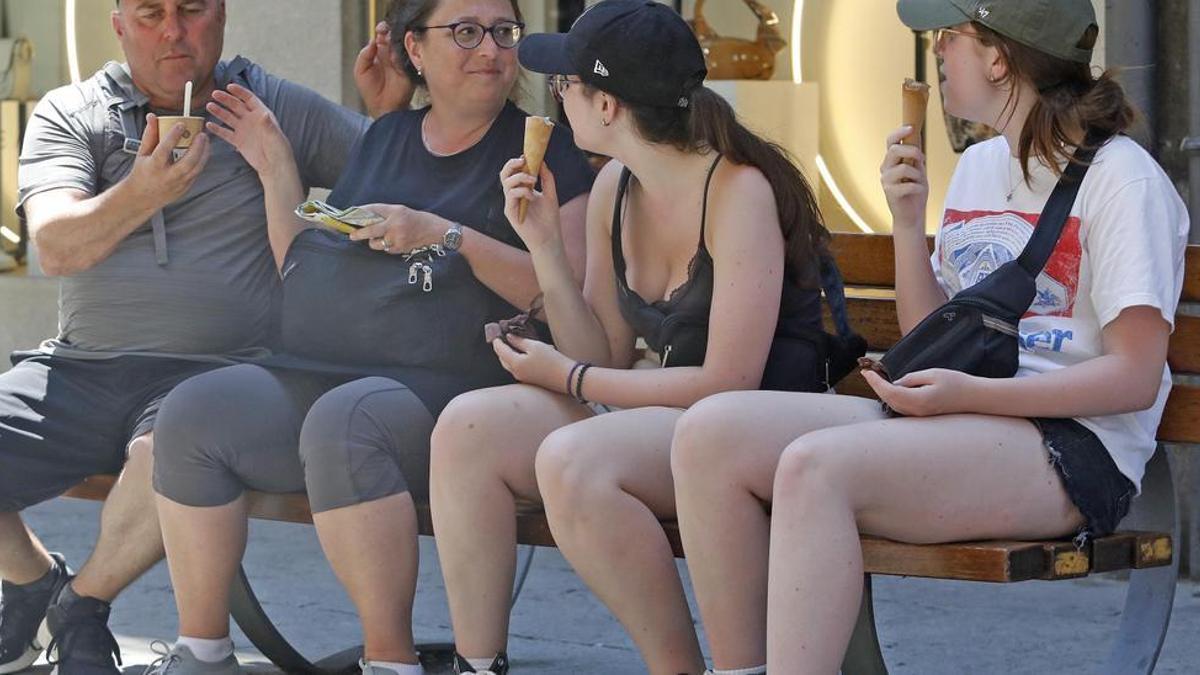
<point>805,358</point>
<point>976,331</point>
<point>344,303</point>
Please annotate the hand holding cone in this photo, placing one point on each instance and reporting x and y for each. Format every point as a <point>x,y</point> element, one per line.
<point>537,137</point>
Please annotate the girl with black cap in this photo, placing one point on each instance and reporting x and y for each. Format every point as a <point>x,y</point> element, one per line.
<point>1056,450</point>
<point>704,240</point>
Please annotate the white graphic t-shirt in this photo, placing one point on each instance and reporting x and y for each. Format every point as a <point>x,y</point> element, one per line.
<point>1123,246</point>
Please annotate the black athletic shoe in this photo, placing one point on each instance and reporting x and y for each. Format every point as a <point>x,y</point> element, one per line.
<point>499,665</point>
<point>21,612</point>
<point>81,643</point>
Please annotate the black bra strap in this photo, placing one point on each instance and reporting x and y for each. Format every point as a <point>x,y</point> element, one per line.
<point>704,211</point>
<point>618,255</point>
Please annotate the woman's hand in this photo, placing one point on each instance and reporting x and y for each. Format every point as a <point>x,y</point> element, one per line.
<point>905,183</point>
<point>402,230</point>
<point>251,127</point>
<point>541,226</point>
<point>382,85</point>
<point>534,362</point>
<point>926,393</point>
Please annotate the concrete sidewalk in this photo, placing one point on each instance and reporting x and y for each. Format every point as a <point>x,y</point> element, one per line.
<point>559,627</point>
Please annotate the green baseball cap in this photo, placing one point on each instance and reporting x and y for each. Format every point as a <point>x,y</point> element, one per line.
<point>1062,28</point>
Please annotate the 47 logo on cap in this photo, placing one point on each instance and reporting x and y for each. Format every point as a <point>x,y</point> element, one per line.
<point>599,69</point>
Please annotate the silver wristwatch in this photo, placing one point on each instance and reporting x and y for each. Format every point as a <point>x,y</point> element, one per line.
<point>452,240</point>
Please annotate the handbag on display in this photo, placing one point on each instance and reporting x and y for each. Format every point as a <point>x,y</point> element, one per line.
<point>347,304</point>
<point>16,72</point>
<point>976,332</point>
<point>735,58</point>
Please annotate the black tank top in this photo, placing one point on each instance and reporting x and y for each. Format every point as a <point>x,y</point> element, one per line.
<point>677,328</point>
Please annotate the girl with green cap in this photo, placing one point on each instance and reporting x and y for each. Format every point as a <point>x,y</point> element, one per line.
<point>1056,450</point>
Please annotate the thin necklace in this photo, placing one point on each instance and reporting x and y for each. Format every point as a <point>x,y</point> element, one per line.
<point>1012,183</point>
<point>435,153</point>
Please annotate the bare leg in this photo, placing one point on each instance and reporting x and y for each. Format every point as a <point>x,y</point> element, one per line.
<point>483,451</point>
<point>23,559</point>
<point>204,548</point>
<point>724,456</point>
<point>606,482</point>
<point>130,542</point>
<point>912,480</point>
<point>372,547</point>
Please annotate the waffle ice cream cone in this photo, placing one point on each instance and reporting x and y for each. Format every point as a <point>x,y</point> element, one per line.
<point>916,100</point>
<point>537,137</point>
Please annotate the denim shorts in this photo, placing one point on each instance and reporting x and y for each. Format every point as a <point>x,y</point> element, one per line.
<point>1097,488</point>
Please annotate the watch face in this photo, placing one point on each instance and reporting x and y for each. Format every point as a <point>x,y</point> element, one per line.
<point>452,239</point>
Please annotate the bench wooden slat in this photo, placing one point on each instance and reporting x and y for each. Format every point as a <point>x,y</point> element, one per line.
<point>1180,419</point>
<point>1191,277</point>
<point>1184,353</point>
<point>996,561</point>
<point>866,259</point>
<point>874,317</point>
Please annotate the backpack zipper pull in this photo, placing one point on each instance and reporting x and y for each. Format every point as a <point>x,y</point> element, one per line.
<point>428,285</point>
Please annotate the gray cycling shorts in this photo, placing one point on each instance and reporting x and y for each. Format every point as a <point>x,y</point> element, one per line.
<point>247,427</point>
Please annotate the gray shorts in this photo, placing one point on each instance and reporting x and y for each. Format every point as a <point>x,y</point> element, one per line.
<point>64,419</point>
<point>346,441</point>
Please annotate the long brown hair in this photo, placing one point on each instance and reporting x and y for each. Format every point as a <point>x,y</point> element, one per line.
<point>709,123</point>
<point>1070,99</point>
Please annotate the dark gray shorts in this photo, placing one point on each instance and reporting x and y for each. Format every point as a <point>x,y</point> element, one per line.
<point>64,419</point>
<point>1093,482</point>
<point>346,440</point>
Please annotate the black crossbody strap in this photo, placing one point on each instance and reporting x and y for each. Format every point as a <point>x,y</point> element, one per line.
<point>835,295</point>
<point>1058,208</point>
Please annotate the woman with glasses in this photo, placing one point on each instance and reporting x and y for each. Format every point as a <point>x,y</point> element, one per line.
<point>704,240</point>
<point>774,490</point>
<point>357,437</point>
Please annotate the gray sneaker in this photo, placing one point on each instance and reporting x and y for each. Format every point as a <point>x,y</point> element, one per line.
<point>178,660</point>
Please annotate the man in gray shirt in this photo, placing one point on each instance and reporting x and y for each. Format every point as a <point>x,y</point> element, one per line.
<point>165,273</point>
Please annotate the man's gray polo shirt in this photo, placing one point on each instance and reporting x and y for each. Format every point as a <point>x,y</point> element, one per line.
<point>198,280</point>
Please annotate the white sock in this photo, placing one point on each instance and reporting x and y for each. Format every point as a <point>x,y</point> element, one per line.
<point>398,668</point>
<point>758,670</point>
<point>481,664</point>
<point>208,651</point>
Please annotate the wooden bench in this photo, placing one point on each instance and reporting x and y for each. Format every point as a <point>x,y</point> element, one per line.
<point>1144,546</point>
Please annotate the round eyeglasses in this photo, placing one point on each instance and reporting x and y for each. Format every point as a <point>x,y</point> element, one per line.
<point>469,35</point>
<point>558,86</point>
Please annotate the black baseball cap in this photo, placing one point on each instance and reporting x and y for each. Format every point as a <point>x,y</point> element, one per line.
<point>638,50</point>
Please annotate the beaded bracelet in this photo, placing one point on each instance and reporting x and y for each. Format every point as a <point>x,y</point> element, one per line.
<point>571,377</point>
<point>579,384</point>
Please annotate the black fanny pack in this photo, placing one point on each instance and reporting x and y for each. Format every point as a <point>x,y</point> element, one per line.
<point>346,304</point>
<point>976,331</point>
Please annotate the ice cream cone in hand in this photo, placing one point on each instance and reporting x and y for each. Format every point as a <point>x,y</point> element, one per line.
<point>537,138</point>
<point>916,100</point>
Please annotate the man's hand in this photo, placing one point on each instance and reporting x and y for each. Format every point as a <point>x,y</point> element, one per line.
<point>382,85</point>
<point>155,178</point>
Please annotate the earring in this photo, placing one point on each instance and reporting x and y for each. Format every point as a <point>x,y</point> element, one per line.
<point>604,123</point>
<point>420,73</point>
